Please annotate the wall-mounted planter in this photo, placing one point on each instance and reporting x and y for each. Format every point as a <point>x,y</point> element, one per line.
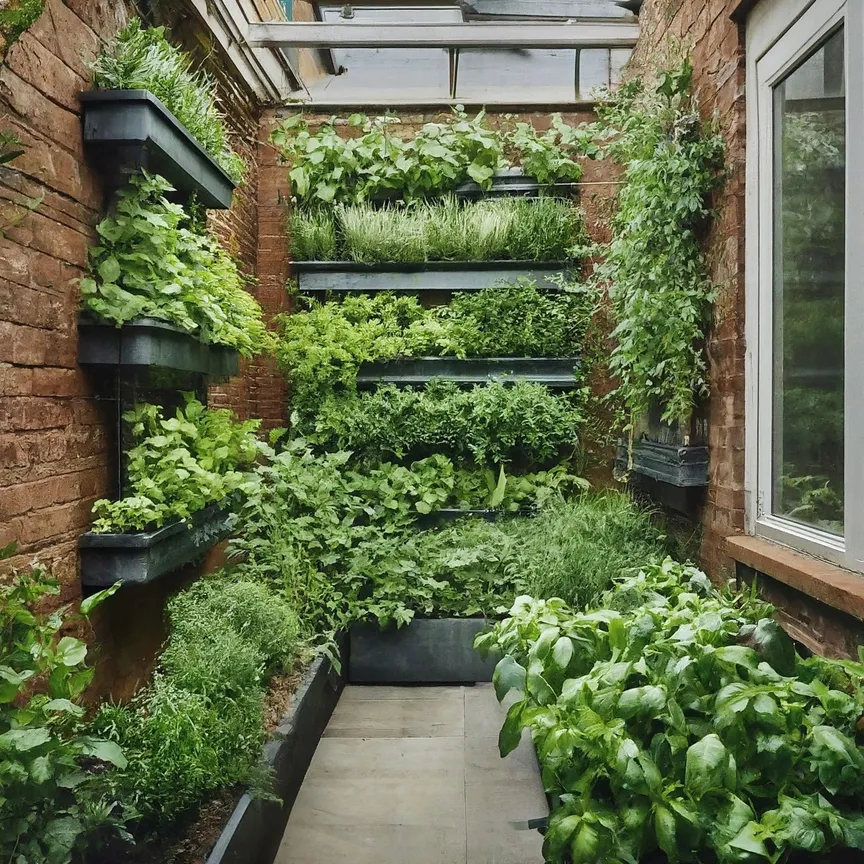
<point>254,831</point>
<point>131,130</point>
<point>555,372</point>
<point>349,276</point>
<point>426,651</point>
<point>147,343</point>
<point>675,464</point>
<point>511,182</point>
<point>136,559</point>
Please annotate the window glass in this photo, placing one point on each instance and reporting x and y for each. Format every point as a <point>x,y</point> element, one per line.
<point>809,287</point>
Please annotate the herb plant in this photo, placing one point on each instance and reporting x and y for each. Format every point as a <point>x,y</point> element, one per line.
<point>143,59</point>
<point>54,785</point>
<point>654,266</point>
<point>179,466</point>
<point>489,423</point>
<point>497,229</point>
<point>151,261</point>
<point>681,721</point>
<point>376,163</point>
<point>199,725</point>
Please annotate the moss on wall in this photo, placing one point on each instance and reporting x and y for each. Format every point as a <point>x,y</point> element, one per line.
<point>15,18</point>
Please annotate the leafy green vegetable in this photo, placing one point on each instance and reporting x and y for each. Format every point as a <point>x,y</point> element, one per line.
<point>179,465</point>
<point>150,261</point>
<point>143,59</point>
<point>664,729</point>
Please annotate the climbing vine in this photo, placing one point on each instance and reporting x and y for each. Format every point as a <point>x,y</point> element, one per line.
<point>654,267</point>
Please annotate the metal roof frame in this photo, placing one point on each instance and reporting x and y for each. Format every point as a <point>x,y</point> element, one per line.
<point>572,34</point>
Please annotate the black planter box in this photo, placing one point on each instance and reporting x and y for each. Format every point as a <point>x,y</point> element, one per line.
<point>555,372</point>
<point>675,464</point>
<point>136,559</point>
<point>350,276</point>
<point>426,651</point>
<point>131,130</point>
<point>511,182</point>
<point>146,343</point>
<point>255,829</point>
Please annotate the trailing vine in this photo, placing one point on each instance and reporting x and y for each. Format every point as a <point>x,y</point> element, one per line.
<point>654,268</point>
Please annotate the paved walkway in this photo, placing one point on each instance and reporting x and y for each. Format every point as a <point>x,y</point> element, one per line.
<point>412,775</point>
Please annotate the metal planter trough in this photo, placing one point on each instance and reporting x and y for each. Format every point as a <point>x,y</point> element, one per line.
<point>557,373</point>
<point>130,130</point>
<point>146,343</point>
<point>441,276</point>
<point>136,559</point>
<point>675,464</point>
<point>253,833</point>
<point>426,651</point>
<point>511,182</point>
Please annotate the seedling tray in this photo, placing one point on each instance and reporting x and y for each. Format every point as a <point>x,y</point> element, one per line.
<point>678,465</point>
<point>131,130</point>
<point>147,343</point>
<point>426,651</point>
<point>555,372</point>
<point>136,559</point>
<point>351,276</point>
<point>253,833</point>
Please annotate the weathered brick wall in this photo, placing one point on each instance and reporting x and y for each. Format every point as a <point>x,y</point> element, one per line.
<point>716,47</point>
<point>57,441</point>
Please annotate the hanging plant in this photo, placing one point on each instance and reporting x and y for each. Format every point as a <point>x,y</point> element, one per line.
<point>654,267</point>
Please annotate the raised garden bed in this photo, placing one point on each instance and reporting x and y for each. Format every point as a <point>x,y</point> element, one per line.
<point>136,559</point>
<point>254,831</point>
<point>351,276</point>
<point>147,343</point>
<point>675,464</point>
<point>555,372</point>
<point>130,130</point>
<point>426,651</point>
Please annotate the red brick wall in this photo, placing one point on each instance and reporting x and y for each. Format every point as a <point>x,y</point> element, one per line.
<point>57,442</point>
<point>716,46</point>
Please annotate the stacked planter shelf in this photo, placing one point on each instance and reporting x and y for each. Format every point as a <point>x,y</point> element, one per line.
<point>125,132</point>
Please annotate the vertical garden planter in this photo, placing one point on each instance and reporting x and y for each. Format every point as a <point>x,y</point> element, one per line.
<point>511,182</point>
<point>446,276</point>
<point>127,131</point>
<point>136,559</point>
<point>426,651</point>
<point>682,466</point>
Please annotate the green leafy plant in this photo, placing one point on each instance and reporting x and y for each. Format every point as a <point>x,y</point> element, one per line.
<point>654,267</point>
<point>548,157</point>
<point>151,261</point>
<point>321,349</point>
<point>199,725</point>
<point>497,229</point>
<point>681,721</point>
<point>16,17</point>
<point>143,59</point>
<point>179,465</point>
<point>53,774</point>
<point>489,423</point>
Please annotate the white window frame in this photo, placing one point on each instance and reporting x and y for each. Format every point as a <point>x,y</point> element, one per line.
<point>780,35</point>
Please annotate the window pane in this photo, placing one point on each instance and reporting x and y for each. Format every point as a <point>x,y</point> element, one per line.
<point>809,284</point>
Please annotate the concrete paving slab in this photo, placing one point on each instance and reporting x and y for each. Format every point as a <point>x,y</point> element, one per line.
<point>400,718</point>
<point>370,693</point>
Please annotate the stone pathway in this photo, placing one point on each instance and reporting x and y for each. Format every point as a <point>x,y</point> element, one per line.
<point>412,775</point>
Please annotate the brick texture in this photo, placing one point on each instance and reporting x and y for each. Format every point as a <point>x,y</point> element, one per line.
<point>715,44</point>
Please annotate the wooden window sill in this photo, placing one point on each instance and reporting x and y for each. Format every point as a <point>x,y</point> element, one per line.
<point>831,585</point>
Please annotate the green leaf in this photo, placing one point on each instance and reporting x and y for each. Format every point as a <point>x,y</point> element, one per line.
<point>649,700</point>
<point>707,767</point>
<point>64,706</point>
<point>508,675</point>
<point>40,769</point>
<point>22,740</point>
<point>558,836</point>
<point>562,653</point>
<point>510,735</point>
<point>106,751</point>
<point>88,604</point>
<point>748,840</point>
<point>71,651</point>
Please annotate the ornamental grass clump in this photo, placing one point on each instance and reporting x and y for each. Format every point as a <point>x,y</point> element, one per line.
<point>678,721</point>
<point>139,58</point>
<point>153,261</point>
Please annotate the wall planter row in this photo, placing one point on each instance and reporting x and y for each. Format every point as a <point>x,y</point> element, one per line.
<point>555,372</point>
<point>350,276</point>
<point>147,343</point>
<point>511,182</point>
<point>130,130</point>
<point>254,831</point>
<point>136,559</point>
<point>678,465</point>
<point>426,651</point>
